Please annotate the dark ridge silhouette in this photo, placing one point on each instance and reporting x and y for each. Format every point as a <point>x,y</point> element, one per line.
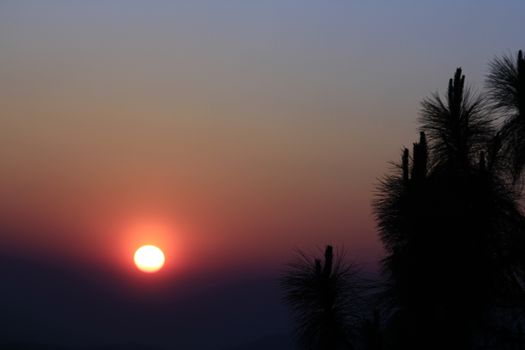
<point>40,346</point>
<point>81,308</point>
<point>273,342</point>
<point>325,299</point>
<point>29,346</point>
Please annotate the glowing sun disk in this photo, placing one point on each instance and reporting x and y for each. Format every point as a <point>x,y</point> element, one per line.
<point>149,258</point>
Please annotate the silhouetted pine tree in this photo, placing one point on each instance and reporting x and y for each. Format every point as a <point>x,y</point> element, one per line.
<point>458,128</point>
<point>448,222</point>
<point>506,85</point>
<point>324,298</point>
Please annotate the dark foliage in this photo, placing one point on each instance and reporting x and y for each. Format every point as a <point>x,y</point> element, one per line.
<point>451,226</point>
<point>459,127</point>
<point>453,230</point>
<point>325,300</point>
<point>506,86</point>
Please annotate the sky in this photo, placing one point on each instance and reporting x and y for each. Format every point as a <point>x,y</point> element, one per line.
<point>227,132</point>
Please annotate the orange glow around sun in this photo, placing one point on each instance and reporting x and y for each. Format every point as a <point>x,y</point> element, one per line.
<point>150,245</point>
<point>149,258</point>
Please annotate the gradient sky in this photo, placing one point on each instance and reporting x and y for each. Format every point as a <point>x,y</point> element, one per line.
<point>228,132</point>
<point>249,128</point>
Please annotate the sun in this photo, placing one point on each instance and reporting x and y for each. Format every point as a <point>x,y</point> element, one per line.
<point>149,258</point>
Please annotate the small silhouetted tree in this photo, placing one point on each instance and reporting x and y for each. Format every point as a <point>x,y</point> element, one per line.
<point>324,298</point>
<point>372,332</point>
